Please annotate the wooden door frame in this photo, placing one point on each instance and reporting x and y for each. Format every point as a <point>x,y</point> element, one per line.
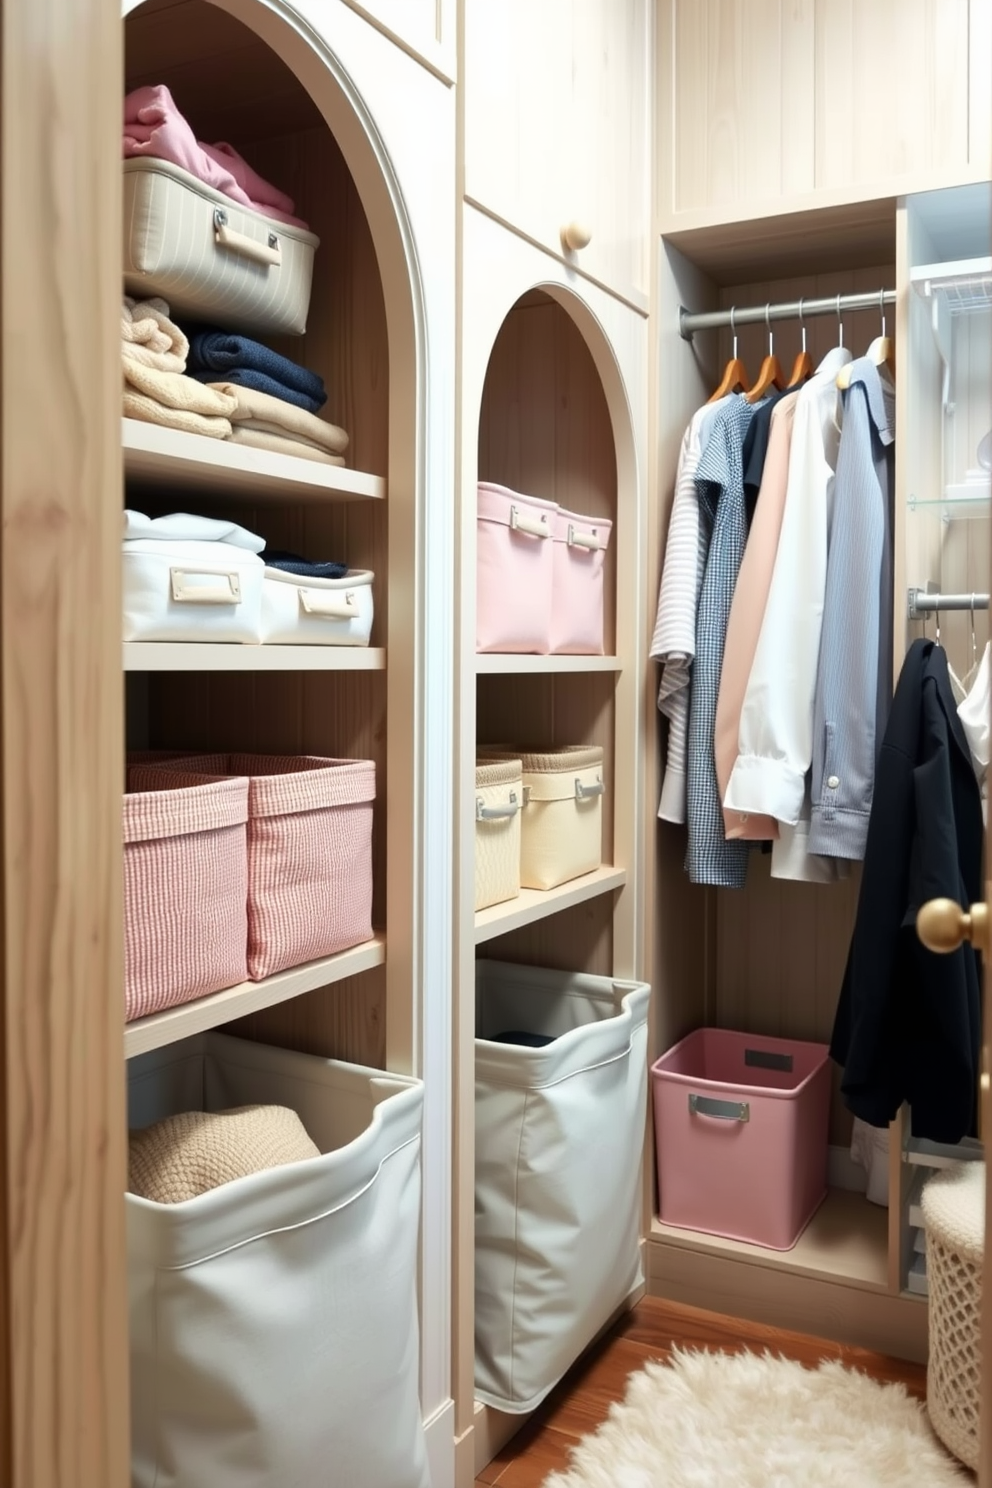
<point>63,1303</point>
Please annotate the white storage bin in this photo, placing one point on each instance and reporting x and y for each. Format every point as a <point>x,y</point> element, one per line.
<point>191,591</point>
<point>316,612</point>
<point>514,571</point>
<point>559,1133</point>
<point>210,257</point>
<point>498,801</point>
<point>579,559</point>
<point>274,1336</point>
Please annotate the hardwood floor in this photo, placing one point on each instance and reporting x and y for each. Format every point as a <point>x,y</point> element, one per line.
<point>651,1331</point>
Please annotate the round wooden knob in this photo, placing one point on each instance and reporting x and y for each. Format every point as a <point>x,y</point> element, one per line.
<point>575,235</point>
<point>943,925</point>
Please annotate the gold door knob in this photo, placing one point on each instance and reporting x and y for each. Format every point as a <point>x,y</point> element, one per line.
<point>943,925</point>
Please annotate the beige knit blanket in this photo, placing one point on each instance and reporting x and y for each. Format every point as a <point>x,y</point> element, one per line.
<point>282,445</point>
<point>150,337</point>
<point>268,415</point>
<point>189,1154</point>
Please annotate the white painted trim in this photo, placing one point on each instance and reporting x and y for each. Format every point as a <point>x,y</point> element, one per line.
<point>440,1438</point>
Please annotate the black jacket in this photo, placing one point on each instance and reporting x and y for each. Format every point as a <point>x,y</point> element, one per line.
<point>908,1025</point>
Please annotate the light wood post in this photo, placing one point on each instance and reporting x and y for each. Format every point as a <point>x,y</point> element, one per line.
<point>63,1341</point>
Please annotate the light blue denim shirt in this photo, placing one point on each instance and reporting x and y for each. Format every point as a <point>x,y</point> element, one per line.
<point>854,677</point>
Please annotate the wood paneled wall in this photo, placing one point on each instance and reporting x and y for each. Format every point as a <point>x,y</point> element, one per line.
<point>63,1319</point>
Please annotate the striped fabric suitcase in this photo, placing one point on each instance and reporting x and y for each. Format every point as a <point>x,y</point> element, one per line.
<point>209,257</point>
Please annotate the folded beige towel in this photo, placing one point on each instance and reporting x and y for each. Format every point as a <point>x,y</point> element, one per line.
<point>138,406</point>
<point>275,416</point>
<point>261,439</point>
<point>150,337</point>
<point>189,1154</point>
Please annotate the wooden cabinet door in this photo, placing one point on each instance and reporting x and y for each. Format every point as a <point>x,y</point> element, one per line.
<point>557,126</point>
<point>740,77</point>
<point>892,89</point>
<point>424,27</point>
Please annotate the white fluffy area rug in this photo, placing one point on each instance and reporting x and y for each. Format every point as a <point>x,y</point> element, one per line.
<point>711,1420</point>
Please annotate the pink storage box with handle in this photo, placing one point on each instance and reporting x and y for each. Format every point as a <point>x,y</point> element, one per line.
<point>185,886</point>
<point>578,560</point>
<point>515,571</point>
<point>309,854</point>
<point>741,1135</point>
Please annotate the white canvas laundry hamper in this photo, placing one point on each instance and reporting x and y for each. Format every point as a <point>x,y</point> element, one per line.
<point>559,1136</point>
<point>210,257</point>
<point>273,1321</point>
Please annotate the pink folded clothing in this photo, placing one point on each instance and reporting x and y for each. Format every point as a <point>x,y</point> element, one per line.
<point>154,126</point>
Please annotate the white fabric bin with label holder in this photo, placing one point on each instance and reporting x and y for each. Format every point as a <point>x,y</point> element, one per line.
<point>498,800</point>
<point>210,257</point>
<point>579,559</point>
<point>300,611</point>
<point>559,1134</point>
<point>274,1333</point>
<point>191,591</point>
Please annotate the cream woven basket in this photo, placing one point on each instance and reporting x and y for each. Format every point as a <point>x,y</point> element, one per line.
<point>954,1218</point>
<point>499,796</point>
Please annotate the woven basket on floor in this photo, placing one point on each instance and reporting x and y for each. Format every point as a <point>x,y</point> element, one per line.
<point>954,1218</point>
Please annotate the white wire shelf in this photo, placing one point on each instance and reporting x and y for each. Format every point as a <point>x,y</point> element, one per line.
<point>963,287</point>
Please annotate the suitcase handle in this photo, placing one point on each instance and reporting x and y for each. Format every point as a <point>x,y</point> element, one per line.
<point>583,539</point>
<point>723,1110</point>
<point>534,526</point>
<point>496,813</point>
<point>227,237</point>
<point>185,591</point>
<point>586,792</point>
<point>337,606</point>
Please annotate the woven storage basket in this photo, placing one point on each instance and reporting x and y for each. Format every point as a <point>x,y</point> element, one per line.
<point>309,854</point>
<point>561,826</point>
<point>498,799</point>
<point>185,886</point>
<point>954,1218</point>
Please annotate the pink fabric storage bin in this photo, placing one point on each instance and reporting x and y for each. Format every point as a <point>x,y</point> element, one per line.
<point>741,1135</point>
<point>185,887</point>
<point>309,855</point>
<point>578,560</point>
<point>515,571</point>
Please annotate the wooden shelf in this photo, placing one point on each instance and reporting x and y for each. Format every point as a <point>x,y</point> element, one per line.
<point>172,460</point>
<point>536,904</point>
<point>204,656</point>
<point>248,997</point>
<point>845,1241</point>
<point>487,662</point>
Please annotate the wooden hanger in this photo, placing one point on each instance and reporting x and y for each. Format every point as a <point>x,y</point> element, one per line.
<point>882,350</point>
<point>802,367</point>
<point>771,374</point>
<point>734,373</point>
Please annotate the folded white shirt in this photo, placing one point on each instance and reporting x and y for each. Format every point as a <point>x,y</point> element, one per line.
<point>183,527</point>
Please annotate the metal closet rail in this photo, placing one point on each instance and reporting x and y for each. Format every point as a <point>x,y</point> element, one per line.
<point>691,321</point>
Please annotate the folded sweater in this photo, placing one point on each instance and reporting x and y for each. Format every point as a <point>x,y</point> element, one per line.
<point>280,445</point>
<point>154,126</point>
<point>270,415</point>
<point>149,336</point>
<point>247,363</point>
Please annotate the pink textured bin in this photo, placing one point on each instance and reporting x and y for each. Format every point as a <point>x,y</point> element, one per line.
<point>309,855</point>
<point>741,1135</point>
<point>515,571</point>
<point>185,887</point>
<point>579,557</point>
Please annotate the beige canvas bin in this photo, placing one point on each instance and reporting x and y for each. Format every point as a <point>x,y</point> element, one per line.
<point>499,797</point>
<point>561,825</point>
<point>209,256</point>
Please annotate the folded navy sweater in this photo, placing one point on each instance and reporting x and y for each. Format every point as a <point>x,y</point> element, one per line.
<point>219,356</point>
<point>293,564</point>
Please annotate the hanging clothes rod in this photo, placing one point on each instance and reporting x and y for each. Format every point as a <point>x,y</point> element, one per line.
<point>711,320</point>
<point>920,603</point>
